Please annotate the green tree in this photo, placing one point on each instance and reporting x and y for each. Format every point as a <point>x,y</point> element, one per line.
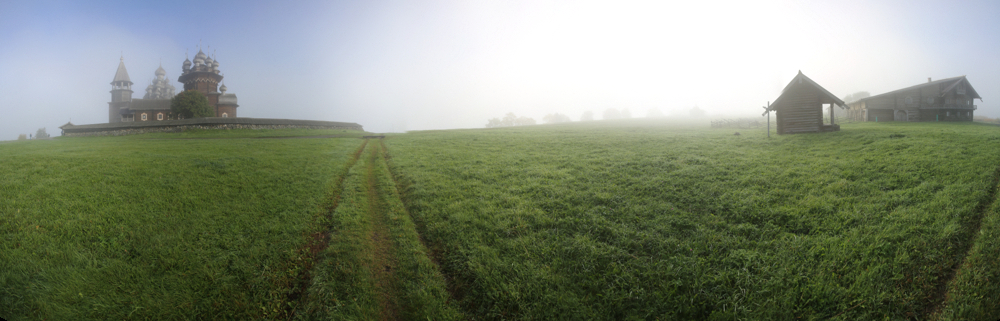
<point>191,104</point>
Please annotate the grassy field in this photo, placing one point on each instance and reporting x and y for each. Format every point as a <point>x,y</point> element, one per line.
<point>622,220</point>
<point>143,228</point>
<point>636,220</point>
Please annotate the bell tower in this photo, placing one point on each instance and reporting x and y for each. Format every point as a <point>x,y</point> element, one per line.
<point>121,93</point>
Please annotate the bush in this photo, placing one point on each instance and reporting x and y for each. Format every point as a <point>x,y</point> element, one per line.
<point>191,104</point>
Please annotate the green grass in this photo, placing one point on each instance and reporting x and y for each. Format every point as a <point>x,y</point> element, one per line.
<point>640,220</point>
<point>375,266</point>
<point>610,220</point>
<point>133,228</point>
<point>975,291</point>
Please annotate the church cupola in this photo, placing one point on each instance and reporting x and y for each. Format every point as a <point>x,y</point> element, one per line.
<point>204,76</point>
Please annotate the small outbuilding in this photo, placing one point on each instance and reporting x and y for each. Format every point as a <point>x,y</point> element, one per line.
<point>799,108</point>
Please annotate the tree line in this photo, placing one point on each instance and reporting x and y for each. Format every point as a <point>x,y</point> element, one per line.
<point>512,119</point>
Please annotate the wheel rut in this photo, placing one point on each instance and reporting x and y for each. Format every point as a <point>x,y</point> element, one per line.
<point>317,240</point>
<point>941,294</point>
<point>383,265</point>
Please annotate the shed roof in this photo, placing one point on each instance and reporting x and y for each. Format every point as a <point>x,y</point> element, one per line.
<point>802,79</point>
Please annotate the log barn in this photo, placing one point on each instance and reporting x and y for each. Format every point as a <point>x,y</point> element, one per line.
<point>800,106</point>
<point>949,99</point>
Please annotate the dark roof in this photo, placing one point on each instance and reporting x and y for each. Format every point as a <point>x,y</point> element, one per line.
<point>204,121</point>
<point>801,78</point>
<point>70,124</point>
<point>149,104</point>
<point>121,74</point>
<point>949,83</point>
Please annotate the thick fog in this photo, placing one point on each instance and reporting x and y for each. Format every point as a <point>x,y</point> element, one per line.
<point>412,65</point>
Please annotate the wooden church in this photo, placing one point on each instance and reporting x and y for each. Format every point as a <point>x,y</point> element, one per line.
<point>800,107</point>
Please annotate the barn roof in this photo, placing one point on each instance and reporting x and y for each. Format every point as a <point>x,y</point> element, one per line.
<point>828,98</point>
<point>949,84</point>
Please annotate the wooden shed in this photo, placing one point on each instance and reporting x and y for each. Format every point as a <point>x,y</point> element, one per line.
<point>800,107</point>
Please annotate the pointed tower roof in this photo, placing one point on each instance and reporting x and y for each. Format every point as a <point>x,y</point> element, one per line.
<point>121,75</point>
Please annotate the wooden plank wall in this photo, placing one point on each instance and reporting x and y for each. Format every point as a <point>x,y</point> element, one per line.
<point>801,112</point>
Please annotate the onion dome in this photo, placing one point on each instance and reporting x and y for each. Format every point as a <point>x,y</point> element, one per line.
<point>199,59</point>
<point>160,72</point>
<point>223,88</point>
<point>187,65</point>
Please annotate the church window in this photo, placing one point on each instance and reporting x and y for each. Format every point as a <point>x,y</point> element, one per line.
<point>143,116</point>
<point>225,115</point>
<point>159,116</point>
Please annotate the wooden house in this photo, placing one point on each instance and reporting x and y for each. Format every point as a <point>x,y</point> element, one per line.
<point>800,107</point>
<point>942,100</point>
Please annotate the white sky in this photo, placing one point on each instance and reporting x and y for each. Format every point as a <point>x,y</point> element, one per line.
<point>410,65</point>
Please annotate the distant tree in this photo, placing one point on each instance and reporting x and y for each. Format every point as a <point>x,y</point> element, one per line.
<point>524,121</point>
<point>22,137</point>
<point>612,113</point>
<point>41,133</point>
<point>856,96</point>
<point>556,118</point>
<point>654,113</point>
<point>510,120</point>
<point>697,112</point>
<point>494,122</point>
<point>587,116</point>
<point>191,104</point>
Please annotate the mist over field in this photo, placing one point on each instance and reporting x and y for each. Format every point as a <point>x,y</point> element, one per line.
<point>394,66</point>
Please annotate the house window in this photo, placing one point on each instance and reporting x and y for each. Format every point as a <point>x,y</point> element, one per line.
<point>143,116</point>
<point>930,100</point>
<point>909,100</point>
<point>947,113</point>
<point>159,116</point>
<point>225,115</point>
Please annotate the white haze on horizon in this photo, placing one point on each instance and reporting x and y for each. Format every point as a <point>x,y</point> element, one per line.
<point>397,65</point>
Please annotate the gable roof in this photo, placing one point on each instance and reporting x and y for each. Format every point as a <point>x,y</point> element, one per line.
<point>121,74</point>
<point>801,78</point>
<point>949,84</point>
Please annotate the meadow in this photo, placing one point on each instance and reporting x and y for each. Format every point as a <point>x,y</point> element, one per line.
<point>142,227</point>
<point>607,220</point>
<point>646,220</point>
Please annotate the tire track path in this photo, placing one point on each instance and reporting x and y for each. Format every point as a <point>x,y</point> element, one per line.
<point>318,240</point>
<point>383,264</point>
<point>941,295</point>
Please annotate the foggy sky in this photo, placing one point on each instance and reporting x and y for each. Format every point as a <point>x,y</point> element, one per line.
<point>413,65</point>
